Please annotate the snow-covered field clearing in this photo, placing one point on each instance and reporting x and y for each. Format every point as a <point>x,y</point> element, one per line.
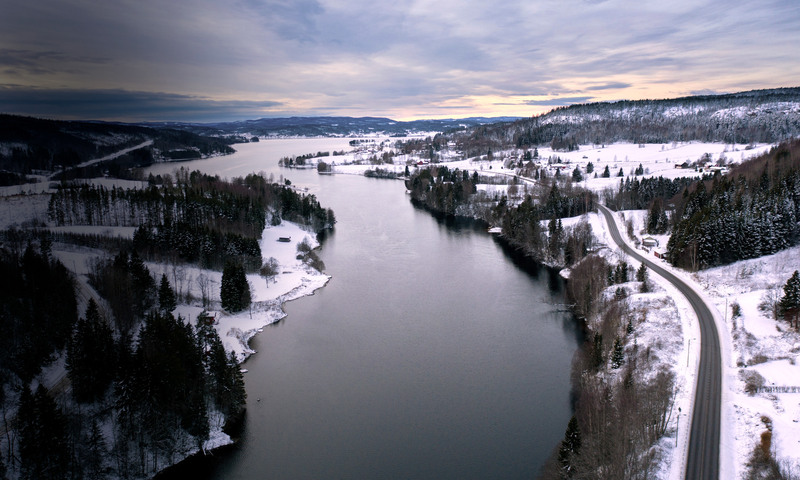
<point>656,160</point>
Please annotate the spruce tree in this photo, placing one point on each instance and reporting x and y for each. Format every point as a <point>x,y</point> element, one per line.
<point>789,305</point>
<point>91,356</point>
<point>570,448</point>
<point>166,296</point>
<point>576,175</point>
<point>641,273</point>
<point>618,355</point>
<point>234,289</point>
<point>43,445</point>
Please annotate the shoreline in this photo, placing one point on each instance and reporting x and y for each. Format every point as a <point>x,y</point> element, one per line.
<point>296,280</point>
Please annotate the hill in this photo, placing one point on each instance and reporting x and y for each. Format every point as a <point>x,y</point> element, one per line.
<point>757,116</point>
<point>331,126</point>
<point>31,145</point>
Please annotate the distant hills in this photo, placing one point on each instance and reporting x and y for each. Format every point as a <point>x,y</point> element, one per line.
<point>330,126</point>
<point>32,145</point>
<point>28,145</point>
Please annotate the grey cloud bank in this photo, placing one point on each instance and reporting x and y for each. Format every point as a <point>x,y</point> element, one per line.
<point>200,60</point>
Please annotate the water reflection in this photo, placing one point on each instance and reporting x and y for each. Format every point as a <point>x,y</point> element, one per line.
<point>434,352</point>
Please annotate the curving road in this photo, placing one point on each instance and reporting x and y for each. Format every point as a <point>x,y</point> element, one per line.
<point>703,456</point>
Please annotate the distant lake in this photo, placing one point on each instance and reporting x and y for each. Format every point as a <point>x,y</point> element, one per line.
<point>433,353</point>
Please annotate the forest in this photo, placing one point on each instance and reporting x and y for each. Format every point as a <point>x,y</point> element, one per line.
<point>455,193</point>
<point>752,211</point>
<point>140,388</point>
<point>623,399</point>
<point>196,218</point>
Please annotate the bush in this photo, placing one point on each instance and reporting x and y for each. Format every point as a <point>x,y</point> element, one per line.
<point>752,381</point>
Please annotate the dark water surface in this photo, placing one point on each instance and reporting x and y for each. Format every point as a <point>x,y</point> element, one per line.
<point>431,354</point>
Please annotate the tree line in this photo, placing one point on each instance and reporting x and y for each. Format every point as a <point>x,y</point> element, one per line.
<point>54,145</point>
<point>621,410</point>
<point>198,218</point>
<point>455,193</point>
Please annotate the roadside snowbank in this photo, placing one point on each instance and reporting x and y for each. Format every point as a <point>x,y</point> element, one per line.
<point>752,342</point>
<point>763,345</point>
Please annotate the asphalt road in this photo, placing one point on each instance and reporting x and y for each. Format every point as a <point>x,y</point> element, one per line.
<point>703,456</point>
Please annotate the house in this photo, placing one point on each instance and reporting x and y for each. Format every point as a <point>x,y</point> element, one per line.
<point>285,239</point>
<point>207,318</point>
<point>649,242</point>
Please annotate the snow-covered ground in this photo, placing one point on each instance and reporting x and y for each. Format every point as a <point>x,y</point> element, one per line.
<point>753,342</point>
<point>295,280</point>
<point>757,343</point>
<point>761,344</point>
<point>656,160</point>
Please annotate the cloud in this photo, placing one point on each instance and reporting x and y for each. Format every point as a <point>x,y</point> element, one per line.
<point>43,62</point>
<point>559,101</point>
<point>364,57</point>
<point>123,105</point>
<point>610,86</point>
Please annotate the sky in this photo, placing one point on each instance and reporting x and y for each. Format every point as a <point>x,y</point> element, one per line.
<point>211,60</point>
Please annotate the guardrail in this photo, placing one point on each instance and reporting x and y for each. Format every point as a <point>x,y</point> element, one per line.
<point>778,389</point>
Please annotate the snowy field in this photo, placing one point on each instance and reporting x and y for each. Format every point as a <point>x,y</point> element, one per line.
<point>656,160</point>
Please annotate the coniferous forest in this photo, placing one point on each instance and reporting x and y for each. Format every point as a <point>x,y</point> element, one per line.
<point>752,211</point>
<point>140,388</point>
<point>454,193</point>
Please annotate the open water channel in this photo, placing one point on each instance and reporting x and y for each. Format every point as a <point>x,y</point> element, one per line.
<point>433,352</point>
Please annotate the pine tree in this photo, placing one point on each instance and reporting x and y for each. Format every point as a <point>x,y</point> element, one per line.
<point>789,305</point>
<point>641,273</point>
<point>606,173</point>
<point>166,296</point>
<point>234,289</point>
<point>96,452</point>
<point>43,443</point>
<point>576,175</point>
<point>618,355</point>
<point>91,356</point>
<point>570,448</point>
<point>597,350</point>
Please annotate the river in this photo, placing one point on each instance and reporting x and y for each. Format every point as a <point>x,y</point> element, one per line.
<point>433,352</point>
